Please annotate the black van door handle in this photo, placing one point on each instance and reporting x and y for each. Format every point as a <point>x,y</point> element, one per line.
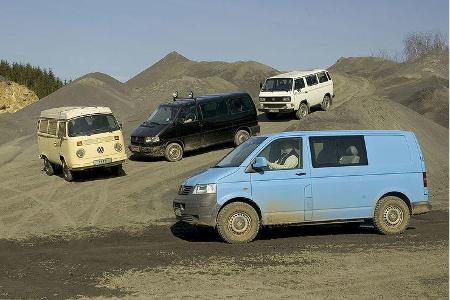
<point>300,173</point>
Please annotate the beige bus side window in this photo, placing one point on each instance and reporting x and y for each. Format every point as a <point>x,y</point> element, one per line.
<point>43,124</point>
<point>61,129</point>
<point>52,127</point>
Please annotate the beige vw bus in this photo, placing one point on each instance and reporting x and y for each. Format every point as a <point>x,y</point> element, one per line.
<point>79,138</point>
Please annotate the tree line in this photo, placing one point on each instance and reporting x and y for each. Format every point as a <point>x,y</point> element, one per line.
<point>41,81</point>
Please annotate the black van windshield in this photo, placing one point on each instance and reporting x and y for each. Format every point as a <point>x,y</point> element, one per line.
<point>163,115</point>
<point>92,124</point>
<point>277,84</point>
<point>239,154</point>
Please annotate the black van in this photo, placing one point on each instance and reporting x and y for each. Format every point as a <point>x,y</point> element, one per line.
<point>193,123</point>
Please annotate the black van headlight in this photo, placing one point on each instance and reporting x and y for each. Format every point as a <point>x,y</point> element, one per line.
<point>209,188</point>
<point>152,139</point>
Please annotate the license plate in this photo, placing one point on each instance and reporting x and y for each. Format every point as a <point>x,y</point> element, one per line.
<point>177,212</point>
<point>102,161</point>
<point>135,148</point>
<point>273,110</point>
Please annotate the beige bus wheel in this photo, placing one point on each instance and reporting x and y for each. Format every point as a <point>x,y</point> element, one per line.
<point>67,173</point>
<point>391,215</point>
<point>49,168</point>
<point>238,223</point>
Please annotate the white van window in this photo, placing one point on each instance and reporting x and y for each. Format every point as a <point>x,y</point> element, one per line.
<point>311,80</point>
<point>338,151</point>
<point>328,75</point>
<point>283,154</point>
<point>277,84</point>
<point>93,124</point>
<point>214,109</point>
<point>52,127</point>
<point>299,84</point>
<point>322,77</point>
<point>43,125</point>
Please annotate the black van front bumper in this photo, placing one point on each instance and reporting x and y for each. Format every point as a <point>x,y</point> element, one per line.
<point>151,151</point>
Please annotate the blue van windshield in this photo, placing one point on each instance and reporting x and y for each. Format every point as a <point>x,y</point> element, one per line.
<point>239,154</point>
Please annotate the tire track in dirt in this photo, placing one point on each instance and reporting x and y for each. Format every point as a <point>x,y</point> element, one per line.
<point>100,204</point>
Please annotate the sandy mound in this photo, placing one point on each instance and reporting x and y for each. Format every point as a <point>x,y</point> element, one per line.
<point>14,97</point>
<point>421,84</point>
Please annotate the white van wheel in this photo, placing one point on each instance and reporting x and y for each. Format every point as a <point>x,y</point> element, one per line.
<point>173,152</point>
<point>241,136</point>
<point>302,111</point>
<point>49,169</point>
<point>67,173</point>
<point>391,215</point>
<point>326,103</point>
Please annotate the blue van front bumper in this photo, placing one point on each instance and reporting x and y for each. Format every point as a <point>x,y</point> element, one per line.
<point>196,209</point>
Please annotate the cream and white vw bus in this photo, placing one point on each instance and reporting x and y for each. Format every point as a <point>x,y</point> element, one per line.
<point>79,138</point>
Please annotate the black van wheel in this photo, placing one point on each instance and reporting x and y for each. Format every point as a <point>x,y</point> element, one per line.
<point>391,215</point>
<point>173,152</point>
<point>238,223</point>
<point>241,136</point>
<point>302,111</point>
<point>67,173</point>
<point>326,103</point>
<point>49,168</point>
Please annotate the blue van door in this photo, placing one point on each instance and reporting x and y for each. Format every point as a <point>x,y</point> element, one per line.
<point>283,189</point>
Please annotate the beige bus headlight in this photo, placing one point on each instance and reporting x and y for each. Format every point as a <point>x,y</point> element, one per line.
<point>80,153</point>
<point>118,147</point>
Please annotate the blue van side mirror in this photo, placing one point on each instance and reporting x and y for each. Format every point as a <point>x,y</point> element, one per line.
<point>260,163</point>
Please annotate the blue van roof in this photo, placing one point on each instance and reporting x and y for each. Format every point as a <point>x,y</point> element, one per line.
<point>336,132</point>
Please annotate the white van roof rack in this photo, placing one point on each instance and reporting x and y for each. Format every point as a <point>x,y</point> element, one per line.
<point>70,112</point>
<point>296,74</point>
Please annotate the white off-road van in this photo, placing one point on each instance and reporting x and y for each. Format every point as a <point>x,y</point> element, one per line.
<point>296,92</point>
<point>79,138</point>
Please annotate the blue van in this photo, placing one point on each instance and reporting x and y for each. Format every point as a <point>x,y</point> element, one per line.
<point>309,177</point>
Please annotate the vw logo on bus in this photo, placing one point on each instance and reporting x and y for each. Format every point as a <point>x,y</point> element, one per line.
<point>100,150</point>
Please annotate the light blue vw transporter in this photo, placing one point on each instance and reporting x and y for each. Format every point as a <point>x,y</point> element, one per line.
<point>309,177</point>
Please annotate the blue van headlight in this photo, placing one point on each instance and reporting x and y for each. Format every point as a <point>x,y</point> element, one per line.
<point>209,188</point>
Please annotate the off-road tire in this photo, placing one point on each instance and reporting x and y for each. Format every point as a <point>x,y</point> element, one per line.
<point>241,136</point>
<point>173,152</point>
<point>238,223</point>
<point>117,170</point>
<point>303,111</point>
<point>391,215</point>
<point>326,103</point>
<point>67,173</point>
<point>271,116</point>
<point>49,168</point>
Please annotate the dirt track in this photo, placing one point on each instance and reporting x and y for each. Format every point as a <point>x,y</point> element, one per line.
<point>176,261</point>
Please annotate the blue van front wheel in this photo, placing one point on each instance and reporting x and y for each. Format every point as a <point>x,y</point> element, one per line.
<point>238,223</point>
<point>391,215</point>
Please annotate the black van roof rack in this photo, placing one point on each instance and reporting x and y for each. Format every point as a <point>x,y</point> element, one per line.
<point>190,96</point>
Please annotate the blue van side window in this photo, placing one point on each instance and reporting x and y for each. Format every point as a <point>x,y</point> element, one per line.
<point>338,151</point>
<point>283,154</point>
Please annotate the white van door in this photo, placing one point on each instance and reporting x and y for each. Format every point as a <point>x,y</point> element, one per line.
<point>300,92</point>
<point>313,90</point>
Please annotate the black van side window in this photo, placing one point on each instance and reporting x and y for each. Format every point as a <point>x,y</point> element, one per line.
<point>311,80</point>
<point>322,77</point>
<point>299,84</point>
<point>214,109</point>
<point>338,151</point>
<point>239,105</point>
<point>188,114</point>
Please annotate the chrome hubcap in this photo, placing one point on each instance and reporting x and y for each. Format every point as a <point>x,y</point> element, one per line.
<point>242,138</point>
<point>174,153</point>
<point>393,215</point>
<point>239,222</point>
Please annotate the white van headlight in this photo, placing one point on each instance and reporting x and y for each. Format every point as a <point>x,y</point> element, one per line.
<point>80,152</point>
<point>262,99</point>
<point>118,147</point>
<point>286,99</point>
<point>152,139</point>
<point>209,188</point>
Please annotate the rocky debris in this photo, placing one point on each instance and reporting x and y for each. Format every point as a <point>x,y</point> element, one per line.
<point>14,97</point>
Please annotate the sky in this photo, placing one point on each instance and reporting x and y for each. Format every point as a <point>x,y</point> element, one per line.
<point>122,38</point>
